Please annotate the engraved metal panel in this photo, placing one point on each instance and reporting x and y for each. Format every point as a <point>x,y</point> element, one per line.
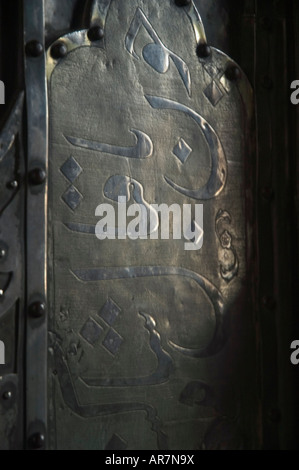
<point>140,330</point>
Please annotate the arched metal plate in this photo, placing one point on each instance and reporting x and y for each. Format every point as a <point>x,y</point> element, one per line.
<point>140,330</point>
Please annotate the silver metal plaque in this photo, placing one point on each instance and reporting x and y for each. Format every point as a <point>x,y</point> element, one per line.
<point>140,330</point>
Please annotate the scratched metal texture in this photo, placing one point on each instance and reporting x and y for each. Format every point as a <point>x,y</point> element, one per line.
<point>145,337</point>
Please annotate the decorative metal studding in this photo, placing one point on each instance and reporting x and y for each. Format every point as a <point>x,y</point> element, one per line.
<point>233,73</point>
<point>37,441</point>
<point>58,50</point>
<point>96,33</point>
<point>203,50</point>
<point>37,309</point>
<point>7,395</point>
<point>37,176</point>
<point>13,184</point>
<point>34,48</point>
<point>182,3</point>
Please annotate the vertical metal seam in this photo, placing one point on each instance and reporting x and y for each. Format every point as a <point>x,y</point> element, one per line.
<point>36,243</point>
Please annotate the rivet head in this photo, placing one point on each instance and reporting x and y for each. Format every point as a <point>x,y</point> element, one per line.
<point>37,176</point>
<point>34,48</point>
<point>7,395</point>
<point>37,310</point>
<point>203,50</point>
<point>58,50</point>
<point>96,33</point>
<point>2,253</point>
<point>13,184</point>
<point>233,73</point>
<point>182,3</point>
<point>37,441</point>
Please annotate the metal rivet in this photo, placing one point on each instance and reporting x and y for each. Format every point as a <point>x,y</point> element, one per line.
<point>203,50</point>
<point>37,176</point>
<point>13,184</point>
<point>7,395</point>
<point>58,50</point>
<point>274,415</point>
<point>96,33</point>
<point>1,293</point>
<point>267,82</point>
<point>233,73</point>
<point>34,48</point>
<point>37,309</point>
<point>2,253</point>
<point>37,441</point>
<point>182,3</point>
<point>269,302</point>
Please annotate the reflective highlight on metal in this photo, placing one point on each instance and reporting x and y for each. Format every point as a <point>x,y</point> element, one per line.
<point>182,150</point>
<point>197,23</point>
<point>218,176</point>
<point>142,149</point>
<point>161,374</point>
<point>99,12</point>
<point>230,262</point>
<point>34,48</point>
<point>37,176</point>
<point>95,33</point>
<point>71,169</point>
<point>72,197</point>
<point>139,330</point>
<point>155,54</point>
<point>203,50</point>
<point>221,327</point>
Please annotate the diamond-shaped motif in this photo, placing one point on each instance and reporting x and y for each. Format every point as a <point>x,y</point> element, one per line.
<point>71,169</point>
<point>211,69</point>
<point>213,93</point>
<point>182,150</point>
<point>226,83</point>
<point>113,341</point>
<point>110,312</point>
<point>91,331</point>
<point>72,197</point>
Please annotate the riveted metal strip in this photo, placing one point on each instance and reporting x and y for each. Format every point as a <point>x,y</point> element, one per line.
<point>37,147</point>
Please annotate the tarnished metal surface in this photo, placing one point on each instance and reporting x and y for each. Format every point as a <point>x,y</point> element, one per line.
<point>150,345</point>
<point>37,161</point>
<point>140,330</point>
<point>12,167</point>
